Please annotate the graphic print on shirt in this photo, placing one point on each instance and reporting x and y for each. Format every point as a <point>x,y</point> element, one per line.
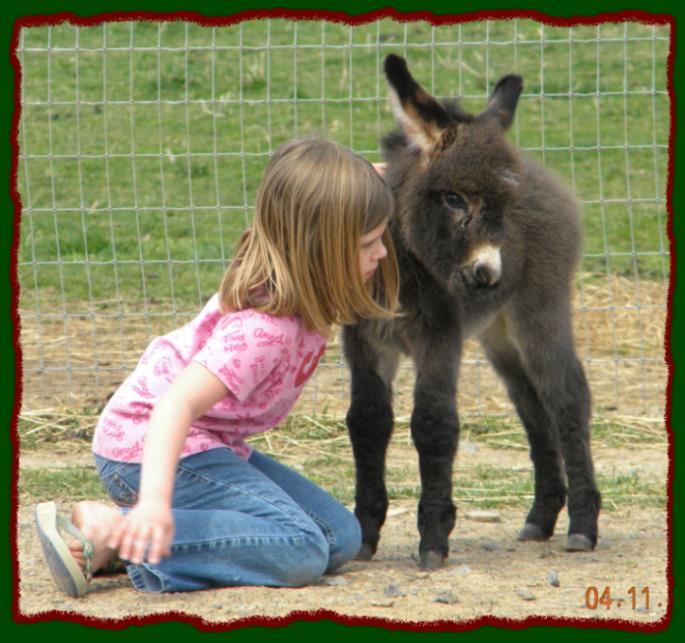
<point>140,411</point>
<point>270,339</point>
<point>163,368</point>
<point>264,361</point>
<point>129,453</point>
<point>142,388</point>
<point>234,342</point>
<point>231,377</point>
<point>308,365</point>
<point>259,368</point>
<point>113,429</point>
<point>205,328</point>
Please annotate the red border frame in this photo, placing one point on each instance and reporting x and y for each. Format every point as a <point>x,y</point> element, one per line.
<point>339,17</point>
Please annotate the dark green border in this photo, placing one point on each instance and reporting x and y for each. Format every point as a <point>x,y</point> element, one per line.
<point>326,628</point>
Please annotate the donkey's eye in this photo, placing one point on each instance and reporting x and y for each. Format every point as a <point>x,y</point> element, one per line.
<point>455,201</point>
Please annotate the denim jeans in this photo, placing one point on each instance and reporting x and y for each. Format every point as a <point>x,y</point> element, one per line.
<point>239,522</point>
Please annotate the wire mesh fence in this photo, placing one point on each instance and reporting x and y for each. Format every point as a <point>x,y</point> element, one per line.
<point>141,144</point>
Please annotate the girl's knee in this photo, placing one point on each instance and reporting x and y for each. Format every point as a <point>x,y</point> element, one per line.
<point>349,542</point>
<point>308,563</point>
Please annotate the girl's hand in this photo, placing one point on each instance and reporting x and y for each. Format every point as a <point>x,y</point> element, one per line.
<point>380,167</point>
<point>147,530</point>
<point>145,533</point>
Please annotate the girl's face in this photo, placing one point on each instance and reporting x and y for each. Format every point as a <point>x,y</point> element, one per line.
<point>372,250</point>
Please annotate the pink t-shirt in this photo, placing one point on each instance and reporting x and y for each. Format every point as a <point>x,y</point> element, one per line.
<point>263,360</point>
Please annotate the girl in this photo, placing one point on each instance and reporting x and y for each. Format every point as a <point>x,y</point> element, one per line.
<point>199,507</point>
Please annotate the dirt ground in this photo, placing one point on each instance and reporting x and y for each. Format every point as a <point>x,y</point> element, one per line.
<point>489,574</point>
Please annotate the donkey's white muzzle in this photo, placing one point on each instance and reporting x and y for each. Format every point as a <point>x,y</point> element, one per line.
<point>483,268</point>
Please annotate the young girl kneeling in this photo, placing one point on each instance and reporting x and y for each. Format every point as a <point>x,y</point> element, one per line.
<point>198,507</point>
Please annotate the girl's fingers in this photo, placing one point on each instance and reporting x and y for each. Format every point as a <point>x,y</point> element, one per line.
<point>139,544</point>
<point>126,545</point>
<point>137,539</point>
<point>131,541</point>
<point>160,545</point>
<point>114,541</point>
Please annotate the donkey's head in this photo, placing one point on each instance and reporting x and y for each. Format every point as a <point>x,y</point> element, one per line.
<point>456,176</point>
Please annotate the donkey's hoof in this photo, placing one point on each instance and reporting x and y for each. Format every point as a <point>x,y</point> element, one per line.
<point>365,553</point>
<point>431,560</point>
<point>531,532</point>
<point>579,542</point>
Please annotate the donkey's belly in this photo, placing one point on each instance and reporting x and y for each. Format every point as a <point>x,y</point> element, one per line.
<point>477,322</point>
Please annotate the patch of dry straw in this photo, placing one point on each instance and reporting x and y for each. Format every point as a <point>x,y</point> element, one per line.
<point>71,364</point>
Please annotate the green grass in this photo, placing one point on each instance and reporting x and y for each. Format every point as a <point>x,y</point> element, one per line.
<point>482,487</point>
<point>323,454</point>
<point>70,483</point>
<point>507,433</point>
<point>125,197</point>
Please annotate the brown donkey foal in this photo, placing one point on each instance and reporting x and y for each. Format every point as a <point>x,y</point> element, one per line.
<point>487,243</point>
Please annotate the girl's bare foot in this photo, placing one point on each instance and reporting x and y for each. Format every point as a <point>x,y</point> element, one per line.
<point>96,521</point>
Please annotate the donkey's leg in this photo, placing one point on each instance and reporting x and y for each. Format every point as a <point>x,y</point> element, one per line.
<point>435,431</point>
<point>370,424</point>
<point>549,358</point>
<point>545,451</point>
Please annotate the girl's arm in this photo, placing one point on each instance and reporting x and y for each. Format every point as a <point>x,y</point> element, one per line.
<point>150,522</point>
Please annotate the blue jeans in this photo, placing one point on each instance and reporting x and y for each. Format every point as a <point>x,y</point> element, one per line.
<point>240,523</point>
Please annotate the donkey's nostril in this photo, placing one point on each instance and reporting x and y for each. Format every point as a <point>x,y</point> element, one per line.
<point>483,269</point>
<point>481,276</point>
<point>485,275</point>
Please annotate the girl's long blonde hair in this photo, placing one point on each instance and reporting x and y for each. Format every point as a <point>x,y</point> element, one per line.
<point>301,255</point>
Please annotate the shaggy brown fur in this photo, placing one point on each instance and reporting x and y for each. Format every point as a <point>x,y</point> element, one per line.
<point>487,243</point>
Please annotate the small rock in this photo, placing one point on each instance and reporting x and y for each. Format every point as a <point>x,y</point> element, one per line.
<point>484,516</point>
<point>393,591</point>
<point>336,581</point>
<point>525,594</point>
<point>491,547</point>
<point>463,570</point>
<point>386,603</point>
<point>466,446</point>
<point>553,579</point>
<point>397,511</point>
<point>448,598</point>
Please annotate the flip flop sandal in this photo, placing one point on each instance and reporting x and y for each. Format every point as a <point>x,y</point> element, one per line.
<point>66,572</point>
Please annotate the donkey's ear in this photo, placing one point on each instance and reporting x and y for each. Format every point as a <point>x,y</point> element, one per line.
<point>503,100</point>
<point>419,115</point>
